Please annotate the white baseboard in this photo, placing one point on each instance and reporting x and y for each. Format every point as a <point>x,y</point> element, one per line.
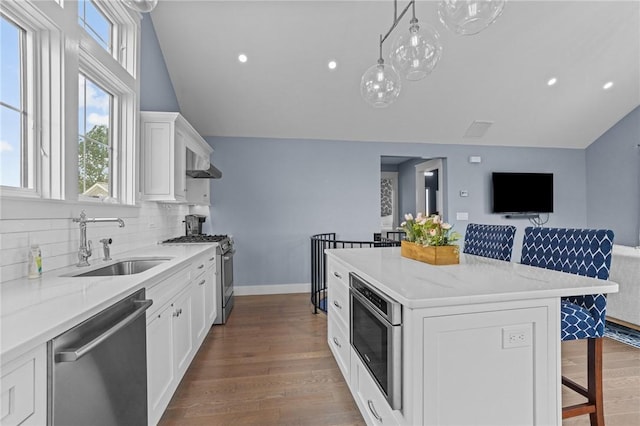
<point>253,290</point>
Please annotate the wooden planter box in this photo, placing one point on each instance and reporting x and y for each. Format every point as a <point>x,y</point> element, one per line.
<point>435,255</point>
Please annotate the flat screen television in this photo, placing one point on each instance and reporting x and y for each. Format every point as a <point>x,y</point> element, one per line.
<point>522,192</point>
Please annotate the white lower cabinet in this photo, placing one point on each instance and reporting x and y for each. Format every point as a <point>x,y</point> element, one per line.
<point>170,350</point>
<point>24,389</point>
<point>177,324</point>
<point>183,346</point>
<point>199,299</point>
<point>491,358</point>
<point>372,403</point>
<point>160,362</point>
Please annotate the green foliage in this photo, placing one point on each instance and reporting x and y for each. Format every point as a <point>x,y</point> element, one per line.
<point>428,231</point>
<point>93,158</point>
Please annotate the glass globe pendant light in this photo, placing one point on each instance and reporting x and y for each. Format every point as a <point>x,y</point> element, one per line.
<point>416,53</point>
<point>468,17</point>
<point>143,6</point>
<point>380,85</point>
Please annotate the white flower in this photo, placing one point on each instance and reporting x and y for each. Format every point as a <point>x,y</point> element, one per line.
<point>446,226</point>
<point>436,219</point>
<point>432,232</point>
<point>403,223</point>
<point>408,216</point>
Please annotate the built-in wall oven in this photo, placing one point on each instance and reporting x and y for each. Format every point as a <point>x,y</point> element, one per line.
<point>376,336</point>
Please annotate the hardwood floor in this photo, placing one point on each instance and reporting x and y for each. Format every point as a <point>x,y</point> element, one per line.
<point>621,381</point>
<point>271,365</point>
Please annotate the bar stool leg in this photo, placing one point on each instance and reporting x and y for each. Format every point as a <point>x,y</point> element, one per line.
<point>594,372</point>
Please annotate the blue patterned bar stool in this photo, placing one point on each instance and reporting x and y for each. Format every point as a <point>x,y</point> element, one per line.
<point>582,252</point>
<point>494,241</point>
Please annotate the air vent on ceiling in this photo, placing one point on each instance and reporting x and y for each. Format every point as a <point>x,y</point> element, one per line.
<point>477,129</point>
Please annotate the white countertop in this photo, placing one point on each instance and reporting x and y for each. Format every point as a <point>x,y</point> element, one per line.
<point>475,280</point>
<point>35,311</point>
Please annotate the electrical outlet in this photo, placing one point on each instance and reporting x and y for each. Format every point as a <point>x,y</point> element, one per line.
<point>516,336</point>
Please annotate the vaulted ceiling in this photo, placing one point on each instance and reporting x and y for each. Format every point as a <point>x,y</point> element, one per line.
<point>285,89</point>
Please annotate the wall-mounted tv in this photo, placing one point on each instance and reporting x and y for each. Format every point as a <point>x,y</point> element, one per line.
<point>522,192</point>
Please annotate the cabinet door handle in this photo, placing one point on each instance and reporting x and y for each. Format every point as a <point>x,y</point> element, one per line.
<point>202,282</point>
<point>337,274</point>
<point>337,305</point>
<point>373,410</point>
<point>201,266</point>
<point>212,259</point>
<point>336,342</point>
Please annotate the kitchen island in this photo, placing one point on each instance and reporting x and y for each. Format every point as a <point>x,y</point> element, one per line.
<point>480,341</point>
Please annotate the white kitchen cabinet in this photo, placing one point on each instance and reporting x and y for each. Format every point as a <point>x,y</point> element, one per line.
<point>24,389</point>
<point>170,345</point>
<point>200,325</point>
<point>160,362</point>
<point>338,315</point>
<point>182,313</point>
<point>165,137</point>
<point>183,345</point>
<point>496,355</point>
<point>211,295</point>
<point>198,191</point>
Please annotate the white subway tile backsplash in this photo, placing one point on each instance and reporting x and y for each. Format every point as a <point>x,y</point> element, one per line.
<point>59,238</point>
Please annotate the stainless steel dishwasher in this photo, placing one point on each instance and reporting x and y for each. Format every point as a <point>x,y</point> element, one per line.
<point>98,369</point>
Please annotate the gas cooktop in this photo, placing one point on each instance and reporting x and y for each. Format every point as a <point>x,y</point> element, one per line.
<point>202,238</point>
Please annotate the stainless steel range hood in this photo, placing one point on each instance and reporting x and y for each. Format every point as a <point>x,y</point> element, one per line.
<point>200,167</point>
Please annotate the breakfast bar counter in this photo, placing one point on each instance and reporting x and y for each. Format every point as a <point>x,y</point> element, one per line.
<point>480,341</point>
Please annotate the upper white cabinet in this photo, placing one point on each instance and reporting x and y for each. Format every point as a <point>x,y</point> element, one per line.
<point>165,138</point>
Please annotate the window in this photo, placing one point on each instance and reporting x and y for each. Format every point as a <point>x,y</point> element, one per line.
<point>94,139</point>
<point>49,50</point>
<point>15,143</point>
<point>93,20</point>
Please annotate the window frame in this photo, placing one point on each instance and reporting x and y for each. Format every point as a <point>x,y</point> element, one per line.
<point>61,49</point>
<point>30,85</point>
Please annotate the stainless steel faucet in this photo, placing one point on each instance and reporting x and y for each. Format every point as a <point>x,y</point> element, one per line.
<point>84,252</point>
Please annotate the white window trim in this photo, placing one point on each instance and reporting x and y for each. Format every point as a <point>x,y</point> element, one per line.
<point>44,74</point>
<point>60,43</point>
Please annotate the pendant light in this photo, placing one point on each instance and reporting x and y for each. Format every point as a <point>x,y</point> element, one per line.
<point>142,6</point>
<point>380,84</point>
<point>468,17</point>
<point>416,53</point>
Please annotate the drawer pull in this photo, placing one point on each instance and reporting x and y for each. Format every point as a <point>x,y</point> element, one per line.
<point>201,266</point>
<point>202,282</point>
<point>337,274</point>
<point>212,259</point>
<point>373,410</point>
<point>337,305</point>
<point>337,343</point>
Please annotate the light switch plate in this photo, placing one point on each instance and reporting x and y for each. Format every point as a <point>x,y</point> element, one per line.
<point>462,216</point>
<point>464,193</point>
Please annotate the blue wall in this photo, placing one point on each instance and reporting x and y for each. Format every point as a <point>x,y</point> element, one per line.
<point>274,194</point>
<point>613,180</point>
<point>156,89</point>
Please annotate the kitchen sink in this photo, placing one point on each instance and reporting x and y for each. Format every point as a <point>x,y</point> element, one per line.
<point>125,267</point>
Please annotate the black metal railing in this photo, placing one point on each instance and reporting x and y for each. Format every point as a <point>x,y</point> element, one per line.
<point>319,243</point>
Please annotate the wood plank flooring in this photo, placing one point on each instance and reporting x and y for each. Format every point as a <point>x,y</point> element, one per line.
<point>271,365</point>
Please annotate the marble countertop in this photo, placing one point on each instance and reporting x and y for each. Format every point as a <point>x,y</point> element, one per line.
<point>475,280</point>
<point>34,311</point>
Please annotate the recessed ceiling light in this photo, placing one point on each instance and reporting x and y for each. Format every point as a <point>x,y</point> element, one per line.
<point>608,85</point>
<point>332,65</point>
<point>552,81</point>
<point>242,58</point>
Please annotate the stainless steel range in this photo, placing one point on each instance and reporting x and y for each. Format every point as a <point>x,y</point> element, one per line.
<point>224,266</point>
